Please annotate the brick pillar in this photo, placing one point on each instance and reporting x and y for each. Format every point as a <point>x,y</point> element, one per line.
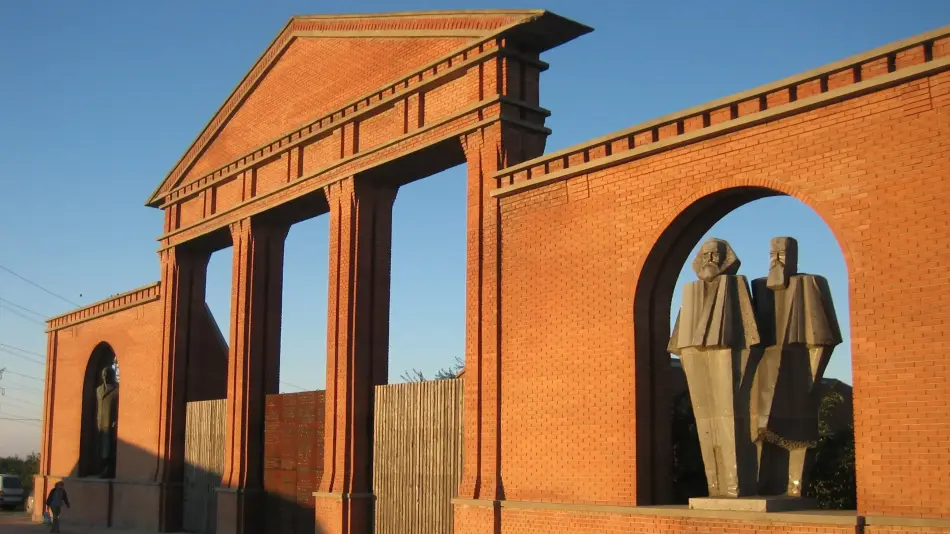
<point>357,350</point>
<point>183,277</point>
<point>253,364</point>
<point>41,483</point>
<point>492,148</point>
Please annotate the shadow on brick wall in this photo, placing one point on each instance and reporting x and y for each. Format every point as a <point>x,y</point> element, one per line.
<point>292,469</point>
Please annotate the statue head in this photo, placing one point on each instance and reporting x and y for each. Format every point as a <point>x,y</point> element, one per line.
<point>715,257</point>
<point>783,261</point>
<point>108,376</point>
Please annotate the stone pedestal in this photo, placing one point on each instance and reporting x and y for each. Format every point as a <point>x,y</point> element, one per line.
<point>135,505</point>
<point>780,503</point>
<point>90,502</point>
<point>239,511</point>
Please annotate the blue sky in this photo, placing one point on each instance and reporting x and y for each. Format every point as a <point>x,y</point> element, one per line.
<point>100,98</point>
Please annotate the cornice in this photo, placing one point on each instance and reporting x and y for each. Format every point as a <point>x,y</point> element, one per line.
<point>382,98</point>
<point>369,25</point>
<point>836,81</point>
<point>329,173</point>
<point>113,304</point>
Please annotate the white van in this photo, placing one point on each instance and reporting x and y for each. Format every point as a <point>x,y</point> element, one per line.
<point>11,491</point>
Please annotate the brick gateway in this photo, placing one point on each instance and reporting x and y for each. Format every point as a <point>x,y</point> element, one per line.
<point>570,250</point>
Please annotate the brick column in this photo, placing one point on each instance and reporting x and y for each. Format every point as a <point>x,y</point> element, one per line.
<point>492,148</point>
<point>357,350</point>
<point>183,277</point>
<point>253,364</point>
<point>41,483</point>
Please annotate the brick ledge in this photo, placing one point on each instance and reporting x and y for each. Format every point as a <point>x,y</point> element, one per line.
<point>636,141</point>
<point>819,517</point>
<point>113,304</point>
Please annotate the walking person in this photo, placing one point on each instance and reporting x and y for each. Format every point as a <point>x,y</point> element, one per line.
<point>54,501</point>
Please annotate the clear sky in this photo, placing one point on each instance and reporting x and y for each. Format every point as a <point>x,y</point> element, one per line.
<point>100,98</point>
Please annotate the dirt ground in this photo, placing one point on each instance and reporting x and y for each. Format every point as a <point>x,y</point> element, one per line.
<point>17,522</point>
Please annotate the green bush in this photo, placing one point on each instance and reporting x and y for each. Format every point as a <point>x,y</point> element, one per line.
<point>831,479</point>
<point>25,468</point>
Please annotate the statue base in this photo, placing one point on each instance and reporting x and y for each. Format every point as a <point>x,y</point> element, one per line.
<point>759,503</point>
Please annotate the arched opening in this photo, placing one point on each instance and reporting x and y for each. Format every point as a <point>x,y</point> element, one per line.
<point>748,218</point>
<point>100,414</point>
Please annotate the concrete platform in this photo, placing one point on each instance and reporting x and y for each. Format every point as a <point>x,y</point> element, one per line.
<point>779,503</point>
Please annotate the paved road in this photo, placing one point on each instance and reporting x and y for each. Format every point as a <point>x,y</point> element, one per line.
<point>16,522</point>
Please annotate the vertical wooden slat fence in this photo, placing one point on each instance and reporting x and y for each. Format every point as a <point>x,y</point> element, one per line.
<point>204,463</point>
<point>417,456</point>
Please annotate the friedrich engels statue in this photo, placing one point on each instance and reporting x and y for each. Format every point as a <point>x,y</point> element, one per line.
<point>799,330</point>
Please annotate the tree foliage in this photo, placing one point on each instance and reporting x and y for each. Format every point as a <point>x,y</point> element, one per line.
<point>445,373</point>
<point>25,468</point>
<point>831,480</point>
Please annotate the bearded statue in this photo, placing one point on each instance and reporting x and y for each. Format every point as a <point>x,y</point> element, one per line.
<point>799,330</point>
<point>715,337</point>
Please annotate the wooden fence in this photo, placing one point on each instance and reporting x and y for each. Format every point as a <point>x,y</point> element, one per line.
<point>204,463</point>
<point>417,456</point>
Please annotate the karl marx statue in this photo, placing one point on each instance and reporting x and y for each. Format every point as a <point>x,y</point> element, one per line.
<point>798,330</point>
<point>107,416</point>
<point>714,336</point>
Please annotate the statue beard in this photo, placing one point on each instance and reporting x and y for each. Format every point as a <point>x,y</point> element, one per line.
<point>709,271</point>
<point>777,276</point>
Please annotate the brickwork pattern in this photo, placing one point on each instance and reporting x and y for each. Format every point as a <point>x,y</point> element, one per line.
<point>875,529</point>
<point>873,167</point>
<point>293,460</point>
<point>558,249</point>
<point>303,25</point>
<point>132,335</point>
<point>515,521</point>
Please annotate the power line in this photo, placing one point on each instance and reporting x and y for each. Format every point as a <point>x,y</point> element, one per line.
<point>23,350</point>
<point>17,416</point>
<point>18,355</point>
<point>24,308</point>
<point>19,314</point>
<point>35,423</point>
<point>293,385</point>
<point>34,284</point>
<point>17,388</point>
<point>18,400</point>
<point>18,403</point>
<point>14,373</point>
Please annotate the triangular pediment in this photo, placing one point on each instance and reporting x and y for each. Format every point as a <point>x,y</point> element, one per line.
<point>318,64</point>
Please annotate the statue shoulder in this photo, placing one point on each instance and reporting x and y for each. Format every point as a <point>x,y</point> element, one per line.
<point>818,280</point>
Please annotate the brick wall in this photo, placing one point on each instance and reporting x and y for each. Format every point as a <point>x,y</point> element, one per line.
<point>873,167</point>
<point>131,325</point>
<point>134,335</point>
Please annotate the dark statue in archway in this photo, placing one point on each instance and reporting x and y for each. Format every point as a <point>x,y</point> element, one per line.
<point>753,360</point>
<point>799,330</point>
<point>107,417</point>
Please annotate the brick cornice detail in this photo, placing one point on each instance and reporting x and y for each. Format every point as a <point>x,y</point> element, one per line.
<point>114,304</point>
<point>353,111</point>
<point>341,169</point>
<point>883,67</point>
<point>490,24</point>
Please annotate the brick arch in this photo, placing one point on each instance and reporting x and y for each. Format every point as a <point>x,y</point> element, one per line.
<point>101,356</point>
<point>655,274</point>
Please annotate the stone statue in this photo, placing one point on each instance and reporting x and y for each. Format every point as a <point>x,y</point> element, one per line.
<point>714,336</point>
<point>799,330</point>
<point>107,417</point>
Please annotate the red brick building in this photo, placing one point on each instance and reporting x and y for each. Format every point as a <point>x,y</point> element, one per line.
<point>572,258</point>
